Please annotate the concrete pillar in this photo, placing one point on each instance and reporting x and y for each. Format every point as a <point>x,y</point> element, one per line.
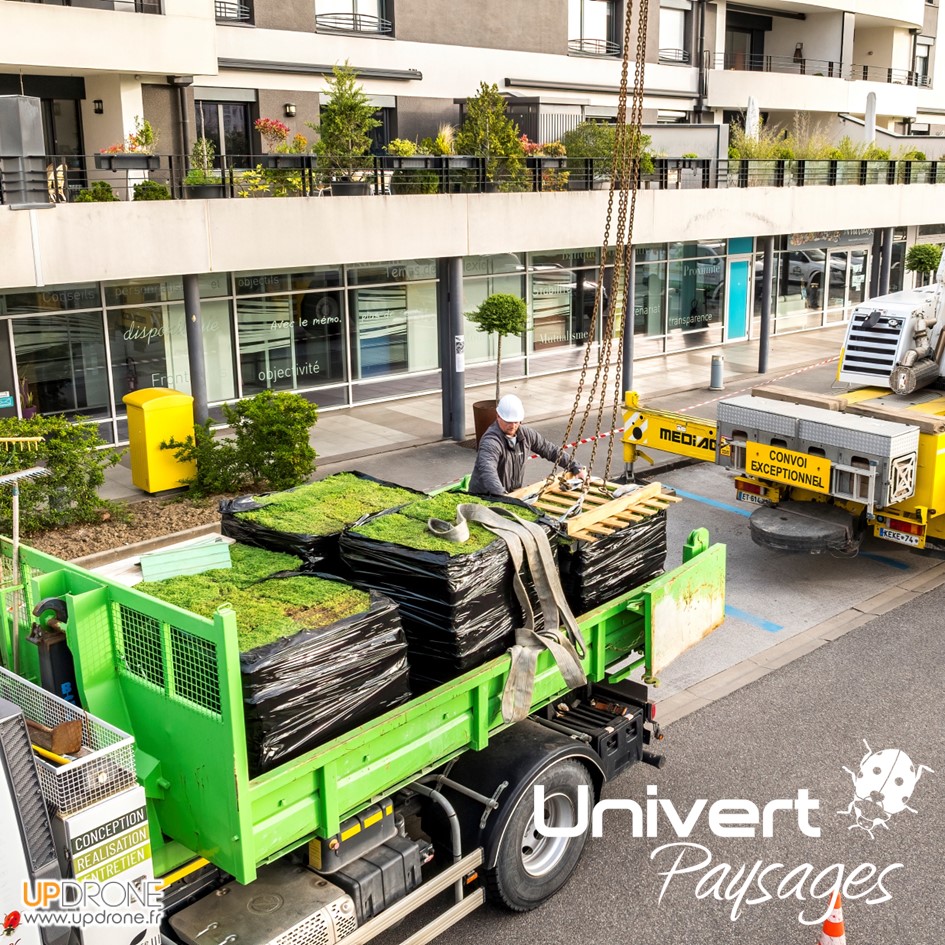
<point>195,355</point>
<point>887,261</point>
<point>876,262</point>
<point>452,344</point>
<point>767,278</point>
<point>628,319</point>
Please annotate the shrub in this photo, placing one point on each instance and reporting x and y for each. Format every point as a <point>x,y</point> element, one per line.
<point>100,192</point>
<point>76,458</point>
<point>151,190</point>
<point>269,449</point>
<point>488,132</point>
<point>596,139</point>
<point>771,144</point>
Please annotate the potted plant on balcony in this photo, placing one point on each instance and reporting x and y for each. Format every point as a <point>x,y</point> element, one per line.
<point>283,153</point>
<point>347,119</point>
<point>500,314</point>
<point>590,149</point>
<point>412,174</point>
<point>203,181</point>
<point>489,134</point>
<point>136,152</point>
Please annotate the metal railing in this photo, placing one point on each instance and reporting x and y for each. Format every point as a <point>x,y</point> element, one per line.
<point>126,6</point>
<point>352,23</point>
<point>593,47</point>
<point>71,179</point>
<point>827,68</point>
<point>675,55</point>
<point>230,11</point>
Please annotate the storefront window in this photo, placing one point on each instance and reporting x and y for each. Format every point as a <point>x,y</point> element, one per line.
<point>61,357</point>
<point>480,346</point>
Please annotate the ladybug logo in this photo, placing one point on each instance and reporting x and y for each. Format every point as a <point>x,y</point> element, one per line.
<point>882,787</point>
<point>11,923</point>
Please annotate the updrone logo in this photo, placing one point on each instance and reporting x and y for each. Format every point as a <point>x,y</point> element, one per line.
<point>885,782</point>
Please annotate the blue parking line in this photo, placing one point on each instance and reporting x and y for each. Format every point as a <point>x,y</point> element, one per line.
<point>759,622</point>
<point>713,502</point>
<point>882,559</point>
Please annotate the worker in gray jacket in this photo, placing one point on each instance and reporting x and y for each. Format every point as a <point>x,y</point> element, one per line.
<point>500,459</point>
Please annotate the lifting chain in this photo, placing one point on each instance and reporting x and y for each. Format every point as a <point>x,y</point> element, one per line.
<point>624,180</point>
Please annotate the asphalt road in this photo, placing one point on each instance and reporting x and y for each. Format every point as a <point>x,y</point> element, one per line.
<point>791,731</point>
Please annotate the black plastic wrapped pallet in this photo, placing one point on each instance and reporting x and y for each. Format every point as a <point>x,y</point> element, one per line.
<point>593,572</point>
<point>457,610</point>
<point>304,690</point>
<point>317,552</point>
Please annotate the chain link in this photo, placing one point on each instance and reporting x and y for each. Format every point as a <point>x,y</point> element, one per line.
<point>624,181</point>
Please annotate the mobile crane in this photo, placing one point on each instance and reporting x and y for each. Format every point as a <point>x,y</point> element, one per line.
<point>826,470</point>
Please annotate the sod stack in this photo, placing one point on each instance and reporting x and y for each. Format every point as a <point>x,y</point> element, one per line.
<point>317,656</point>
<point>594,572</point>
<point>456,600</point>
<point>307,521</point>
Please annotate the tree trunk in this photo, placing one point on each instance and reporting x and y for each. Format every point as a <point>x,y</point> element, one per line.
<point>498,368</point>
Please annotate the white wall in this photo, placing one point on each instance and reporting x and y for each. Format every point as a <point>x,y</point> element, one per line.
<point>78,39</point>
<point>83,242</point>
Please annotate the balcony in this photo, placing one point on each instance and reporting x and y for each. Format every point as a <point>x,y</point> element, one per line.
<point>675,56</point>
<point>352,23</point>
<point>740,62</point>
<point>597,48</point>
<point>233,11</point>
<point>126,6</point>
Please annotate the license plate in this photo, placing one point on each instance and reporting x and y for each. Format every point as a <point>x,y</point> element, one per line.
<point>750,497</point>
<point>904,538</point>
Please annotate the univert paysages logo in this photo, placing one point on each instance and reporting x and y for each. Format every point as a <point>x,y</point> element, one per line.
<point>882,787</point>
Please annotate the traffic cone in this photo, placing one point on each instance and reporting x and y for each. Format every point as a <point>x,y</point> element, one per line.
<point>833,933</point>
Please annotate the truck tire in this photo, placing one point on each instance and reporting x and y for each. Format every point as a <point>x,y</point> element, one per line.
<point>529,867</point>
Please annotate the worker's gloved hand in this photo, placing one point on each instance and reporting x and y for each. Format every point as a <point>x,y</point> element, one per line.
<point>581,474</point>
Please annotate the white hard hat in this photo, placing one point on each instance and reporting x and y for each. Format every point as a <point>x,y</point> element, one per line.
<point>510,409</point>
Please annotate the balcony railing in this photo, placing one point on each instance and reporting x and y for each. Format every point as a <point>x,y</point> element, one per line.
<point>817,67</point>
<point>126,6</point>
<point>351,23</point>
<point>69,179</point>
<point>675,55</point>
<point>233,11</point>
<point>593,47</point>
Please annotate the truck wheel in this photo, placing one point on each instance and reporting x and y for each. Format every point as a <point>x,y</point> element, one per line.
<point>530,867</point>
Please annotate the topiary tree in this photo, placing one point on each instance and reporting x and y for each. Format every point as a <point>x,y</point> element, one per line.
<point>500,314</point>
<point>488,132</point>
<point>924,259</point>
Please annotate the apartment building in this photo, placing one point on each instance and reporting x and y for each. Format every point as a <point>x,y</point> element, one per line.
<point>348,300</point>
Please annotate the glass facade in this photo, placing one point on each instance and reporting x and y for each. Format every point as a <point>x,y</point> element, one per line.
<point>343,335</point>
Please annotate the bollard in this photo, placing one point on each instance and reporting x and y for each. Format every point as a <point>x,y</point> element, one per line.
<point>716,381</point>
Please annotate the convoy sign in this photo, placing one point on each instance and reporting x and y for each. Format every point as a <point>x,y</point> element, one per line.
<point>787,466</point>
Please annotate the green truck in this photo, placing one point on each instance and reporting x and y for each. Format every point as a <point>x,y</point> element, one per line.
<point>437,794</point>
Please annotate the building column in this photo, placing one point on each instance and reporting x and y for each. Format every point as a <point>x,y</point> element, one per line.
<point>767,278</point>
<point>876,262</point>
<point>887,261</point>
<point>628,318</point>
<point>195,356</point>
<point>452,346</point>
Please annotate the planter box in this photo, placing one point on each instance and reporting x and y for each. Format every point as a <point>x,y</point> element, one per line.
<point>284,161</point>
<point>350,188</point>
<point>204,191</point>
<point>127,162</point>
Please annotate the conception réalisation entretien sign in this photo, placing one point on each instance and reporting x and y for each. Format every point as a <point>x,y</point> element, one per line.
<point>788,466</point>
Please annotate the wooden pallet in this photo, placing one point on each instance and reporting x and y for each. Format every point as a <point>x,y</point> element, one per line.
<point>600,515</point>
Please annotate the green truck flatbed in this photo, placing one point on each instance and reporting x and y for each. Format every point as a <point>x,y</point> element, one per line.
<point>172,680</point>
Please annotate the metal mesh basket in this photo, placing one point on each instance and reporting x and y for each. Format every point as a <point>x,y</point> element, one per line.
<point>109,766</point>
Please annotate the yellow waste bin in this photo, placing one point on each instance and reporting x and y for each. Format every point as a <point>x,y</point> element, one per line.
<point>155,415</point>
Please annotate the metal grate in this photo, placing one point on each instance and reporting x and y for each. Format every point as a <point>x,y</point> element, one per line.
<point>140,645</point>
<point>28,800</point>
<point>329,925</point>
<point>107,769</point>
<point>871,353</point>
<point>196,675</point>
